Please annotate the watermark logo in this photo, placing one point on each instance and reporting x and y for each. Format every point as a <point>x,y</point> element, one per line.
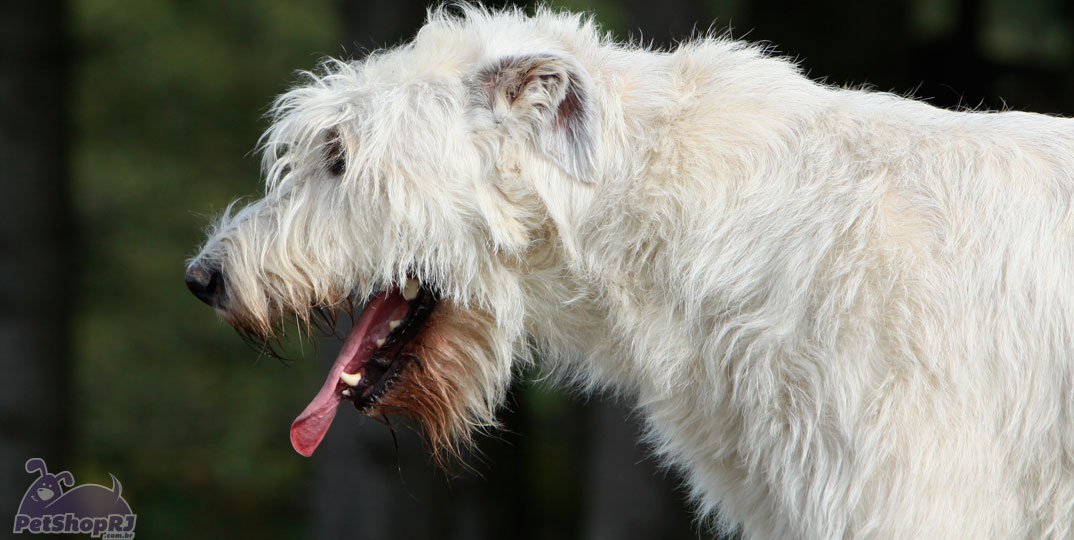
<point>47,508</point>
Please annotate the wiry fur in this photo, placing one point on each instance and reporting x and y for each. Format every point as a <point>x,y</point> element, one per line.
<point>843,314</point>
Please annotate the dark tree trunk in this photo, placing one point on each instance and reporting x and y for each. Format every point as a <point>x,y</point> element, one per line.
<point>629,497</point>
<point>667,22</point>
<point>35,266</point>
<point>369,24</point>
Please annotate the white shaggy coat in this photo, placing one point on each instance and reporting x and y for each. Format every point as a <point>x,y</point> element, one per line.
<point>843,314</point>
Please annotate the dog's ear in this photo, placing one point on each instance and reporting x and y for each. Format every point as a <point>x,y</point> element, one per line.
<point>552,97</point>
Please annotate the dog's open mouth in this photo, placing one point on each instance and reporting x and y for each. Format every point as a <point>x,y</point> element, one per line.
<point>374,353</point>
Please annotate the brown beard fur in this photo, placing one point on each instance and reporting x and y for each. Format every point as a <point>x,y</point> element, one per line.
<point>444,389</point>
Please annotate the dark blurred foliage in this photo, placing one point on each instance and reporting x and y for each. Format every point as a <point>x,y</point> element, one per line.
<point>127,125</point>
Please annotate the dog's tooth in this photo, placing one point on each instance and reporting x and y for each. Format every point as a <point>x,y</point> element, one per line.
<point>410,290</point>
<point>347,392</point>
<point>394,324</point>
<point>380,342</point>
<point>350,379</point>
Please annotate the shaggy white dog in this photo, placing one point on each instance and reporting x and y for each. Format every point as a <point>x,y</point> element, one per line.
<point>843,314</point>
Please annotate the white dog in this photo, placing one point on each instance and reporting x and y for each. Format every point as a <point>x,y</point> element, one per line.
<point>843,314</point>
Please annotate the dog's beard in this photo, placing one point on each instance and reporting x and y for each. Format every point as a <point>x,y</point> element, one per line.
<point>410,354</point>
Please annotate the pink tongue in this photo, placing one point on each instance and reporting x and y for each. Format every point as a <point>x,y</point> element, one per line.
<point>309,428</point>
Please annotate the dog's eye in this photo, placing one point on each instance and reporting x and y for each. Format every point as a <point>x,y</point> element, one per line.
<point>334,155</point>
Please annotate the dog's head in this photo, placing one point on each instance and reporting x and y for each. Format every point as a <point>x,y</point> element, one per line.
<point>46,489</point>
<point>417,183</point>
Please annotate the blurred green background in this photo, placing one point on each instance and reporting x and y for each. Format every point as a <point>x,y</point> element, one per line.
<point>126,125</point>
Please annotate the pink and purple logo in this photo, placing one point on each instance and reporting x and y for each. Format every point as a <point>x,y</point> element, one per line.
<point>47,508</point>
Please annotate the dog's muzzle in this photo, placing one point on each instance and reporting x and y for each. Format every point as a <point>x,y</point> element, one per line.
<point>206,282</point>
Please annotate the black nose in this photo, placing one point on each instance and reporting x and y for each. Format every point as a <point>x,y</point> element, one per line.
<point>206,282</point>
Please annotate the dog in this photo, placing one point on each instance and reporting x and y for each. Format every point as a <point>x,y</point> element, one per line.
<point>841,313</point>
